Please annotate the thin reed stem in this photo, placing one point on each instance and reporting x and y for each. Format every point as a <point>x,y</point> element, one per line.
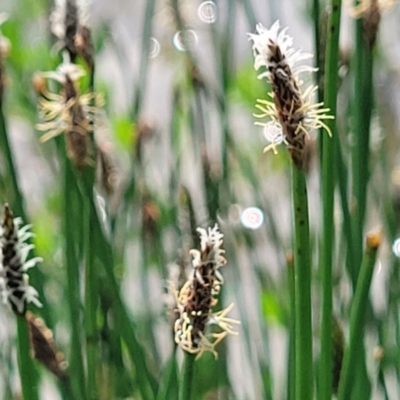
<point>328,187</point>
<point>71,205</point>
<point>362,108</point>
<point>186,384</point>
<point>91,305</point>
<point>291,387</point>
<point>304,366</point>
<point>91,278</point>
<point>355,349</point>
<point>144,59</point>
<point>27,372</point>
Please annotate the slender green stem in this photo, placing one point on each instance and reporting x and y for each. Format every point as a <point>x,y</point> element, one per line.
<point>291,387</point>
<point>71,205</point>
<point>87,177</point>
<point>91,303</point>
<point>357,316</point>
<point>304,366</point>
<point>17,201</point>
<point>328,187</point>
<point>169,382</point>
<point>362,108</point>
<point>185,389</point>
<point>144,59</point>
<point>27,370</point>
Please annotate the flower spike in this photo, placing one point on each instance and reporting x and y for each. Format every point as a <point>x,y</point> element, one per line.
<point>14,287</point>
<point>291,111</point>
<point>197,298</point>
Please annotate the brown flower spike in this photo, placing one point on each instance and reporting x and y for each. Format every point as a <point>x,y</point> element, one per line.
<point>292,112</point>
<point>69,112</point>
<point>43,347</point>
<point>197,298</point>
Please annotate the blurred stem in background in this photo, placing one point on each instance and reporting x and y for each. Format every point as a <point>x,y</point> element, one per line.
<point>328,186</point>
<point>362,110</point>
<point>355,350</point>
<point>72,207</point>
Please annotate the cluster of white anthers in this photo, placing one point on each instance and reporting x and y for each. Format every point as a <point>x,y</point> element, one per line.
<point>197,298</point>
<point>291,111</point>
<point>14,263</point>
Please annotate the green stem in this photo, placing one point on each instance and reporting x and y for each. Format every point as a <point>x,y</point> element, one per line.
<point>291,387</point>
<point>17,201</point>
<point>328,186</point>
<point>362,108</point>
<point>357,316</point>
<point>71,205</point>
<point>87,177</point>
<point>144,59</point>
<point>91,303</point>
<point>27,370</point>
<point>185,390</point>
<point>304,365</point>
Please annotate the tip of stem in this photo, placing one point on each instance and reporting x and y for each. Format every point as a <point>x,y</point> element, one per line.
<point>374,240</point>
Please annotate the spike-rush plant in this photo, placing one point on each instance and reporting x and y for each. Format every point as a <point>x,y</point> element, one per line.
<point>179,261</point>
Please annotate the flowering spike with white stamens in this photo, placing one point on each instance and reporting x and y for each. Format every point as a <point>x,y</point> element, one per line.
<point>14,287</point>
<point>197,298</point>
<point>290,107</point>
<point>69,112</point>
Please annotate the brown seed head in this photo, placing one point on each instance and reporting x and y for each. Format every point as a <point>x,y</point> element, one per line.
<point>43,347</point>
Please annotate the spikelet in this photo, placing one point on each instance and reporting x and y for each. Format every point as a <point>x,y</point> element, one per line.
<point>197,298</point>
<point>290,109</point>
<point>43,347</point>
<point>69,112</point>
<point>14,287</point>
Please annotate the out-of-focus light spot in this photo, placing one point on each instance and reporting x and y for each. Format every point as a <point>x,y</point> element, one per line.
<point>396,247</point>
<point>207,12</point>
<point>273,132</point>
<point>184,39</point>
<point>252,218</point>
<point>154,48</point>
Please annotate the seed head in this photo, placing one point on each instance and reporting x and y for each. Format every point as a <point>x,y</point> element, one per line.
<point>14,287</point>
<point>43,347</point>
<point>197,298</point>
<point>69,112</point>
<point>291,110</point>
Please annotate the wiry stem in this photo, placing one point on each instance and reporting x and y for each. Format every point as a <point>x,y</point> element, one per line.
<point>304,381</point>
<point>185,390</point>
<point>328,186</point>
<point>357,316</point>
<point>26,366</point>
